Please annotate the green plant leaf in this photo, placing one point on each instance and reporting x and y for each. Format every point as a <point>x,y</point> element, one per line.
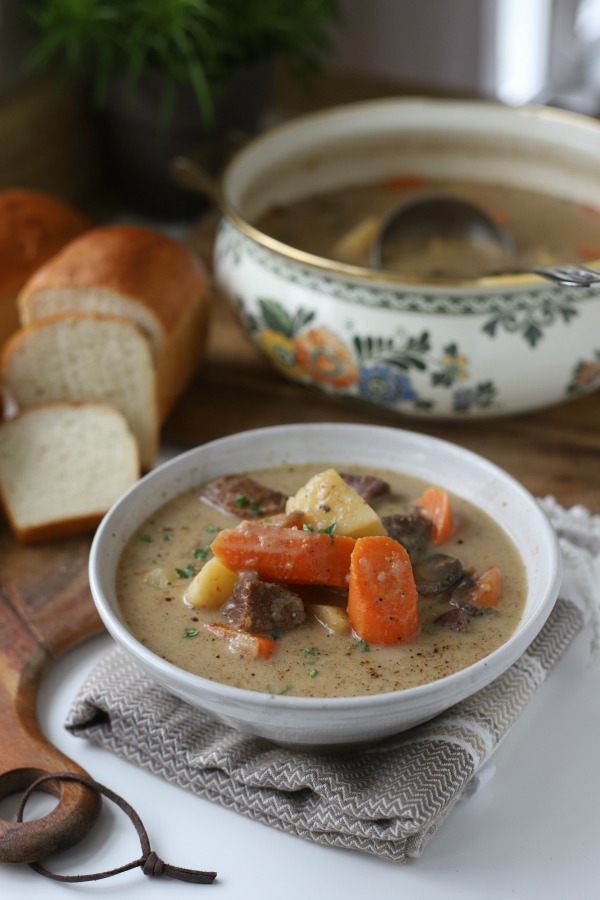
<point>200,43</point>
<point>276,317</point>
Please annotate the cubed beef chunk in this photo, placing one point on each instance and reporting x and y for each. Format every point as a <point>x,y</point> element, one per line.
<point>412,531</point>
<point>368,486</point>
<point>243,496</point>
<point>262,606</point>
<point>455,619</point>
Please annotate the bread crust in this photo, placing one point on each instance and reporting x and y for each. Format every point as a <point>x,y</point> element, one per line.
<point>34,226</point>
<point>137,273</point>
<point>140,263</point>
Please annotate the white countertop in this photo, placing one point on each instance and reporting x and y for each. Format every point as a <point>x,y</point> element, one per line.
<point>531,831</point>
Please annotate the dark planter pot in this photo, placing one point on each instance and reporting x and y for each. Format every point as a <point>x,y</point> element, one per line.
<point>137,146</point>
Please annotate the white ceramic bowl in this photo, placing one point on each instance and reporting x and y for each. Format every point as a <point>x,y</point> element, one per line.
<point>325,722</point>
<point>484,347</point>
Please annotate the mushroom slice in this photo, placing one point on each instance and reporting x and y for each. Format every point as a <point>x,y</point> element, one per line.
<point>437,573</point>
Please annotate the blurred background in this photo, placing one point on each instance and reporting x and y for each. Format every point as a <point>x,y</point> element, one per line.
<point>517,51</point>
<point>54,135</point>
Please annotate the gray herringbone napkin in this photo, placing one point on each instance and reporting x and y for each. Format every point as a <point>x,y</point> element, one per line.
<point>387,800</point>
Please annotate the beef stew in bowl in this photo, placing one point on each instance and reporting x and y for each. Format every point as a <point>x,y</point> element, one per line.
<point>279,622</point>
<point>531,574</point>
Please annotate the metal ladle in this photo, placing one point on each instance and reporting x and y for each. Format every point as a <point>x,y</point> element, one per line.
<point>412,226</point>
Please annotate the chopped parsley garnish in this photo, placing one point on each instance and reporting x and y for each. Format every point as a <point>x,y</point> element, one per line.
<point>201,552</point>
<point>168,536</point>
<point>312,673</point>
<point>188,572</point>
<point>244,500</point>
<point>311,651</point>
<point>362,646</point>
<point>329,530</point>
<point>213,528</point>
<point>145,538</point>
<point>191,632</point>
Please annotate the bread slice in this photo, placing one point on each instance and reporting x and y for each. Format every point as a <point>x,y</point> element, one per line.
<point>33,227</point>
<point>62,466</point>
<point>87,356</point>
<point>139,274</point>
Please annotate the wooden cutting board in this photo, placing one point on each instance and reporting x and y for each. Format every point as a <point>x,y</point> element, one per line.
<point>45,609</point>
<point>45,603</point>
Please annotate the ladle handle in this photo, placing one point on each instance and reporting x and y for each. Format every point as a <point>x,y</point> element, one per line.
<point>201,171</point>
<point>189,174</point>
<point>43,615</point>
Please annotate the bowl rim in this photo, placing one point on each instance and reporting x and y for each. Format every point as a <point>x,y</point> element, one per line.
<point>173,676</point>
<point>365,273</point>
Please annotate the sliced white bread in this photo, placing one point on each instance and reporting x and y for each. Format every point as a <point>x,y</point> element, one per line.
<point>62,466</point>
<point>141,275</point>
<point>87,356</point>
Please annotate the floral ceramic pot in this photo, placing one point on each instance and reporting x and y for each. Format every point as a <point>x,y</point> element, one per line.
<point>483,347</point>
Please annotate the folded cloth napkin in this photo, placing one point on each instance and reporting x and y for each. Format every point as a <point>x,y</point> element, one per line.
<point>387,799</point>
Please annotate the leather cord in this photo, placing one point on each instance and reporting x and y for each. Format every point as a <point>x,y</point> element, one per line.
<point>149,862</point>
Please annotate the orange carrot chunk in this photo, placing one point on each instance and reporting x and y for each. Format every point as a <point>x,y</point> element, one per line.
<point>487,590</point>
<point>435,504</point>
<point>248,646</point>
<point>382,596</point>
<point>402,182</point>
<point>287,555</point>
<point>588,252</point>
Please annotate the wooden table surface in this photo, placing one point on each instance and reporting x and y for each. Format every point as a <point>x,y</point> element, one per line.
<point>555,451</point>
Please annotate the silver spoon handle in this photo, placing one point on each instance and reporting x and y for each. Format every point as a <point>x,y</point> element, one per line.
<point>567,275</point>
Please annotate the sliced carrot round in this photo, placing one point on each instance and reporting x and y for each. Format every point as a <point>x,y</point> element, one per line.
<point>382,595</point>
<point>248,646</point>
<point>283,554</point>
<point>487,590</point>
<point>435,504</point>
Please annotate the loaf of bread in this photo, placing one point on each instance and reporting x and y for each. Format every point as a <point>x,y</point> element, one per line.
<point>33,227</point>
<point>139,274</point>
<point>62,466</point>
<point>87,356</point>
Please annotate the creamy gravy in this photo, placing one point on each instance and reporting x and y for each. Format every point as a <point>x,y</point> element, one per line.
<point>308,661</point>
<point>341,224</point>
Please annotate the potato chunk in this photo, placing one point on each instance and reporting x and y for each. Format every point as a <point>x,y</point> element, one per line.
<point>334,619</point>
<point>212,586</point>
<point>354,246</point>
<point>326,500</point>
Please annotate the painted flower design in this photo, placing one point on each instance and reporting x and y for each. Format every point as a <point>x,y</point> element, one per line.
<point>325,358</point>
<point>479,396</point>
<point>281,352</point>
<point>384,384</point>
<point>586,375</point>
<point>454,367</point>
